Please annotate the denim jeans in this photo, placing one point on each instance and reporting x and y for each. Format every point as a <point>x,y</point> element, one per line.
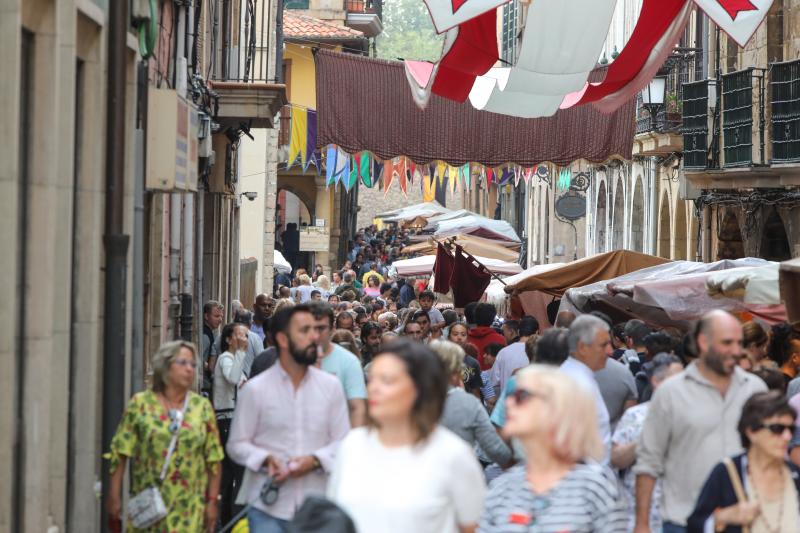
<point>260,522</point>
<point>669,527</point>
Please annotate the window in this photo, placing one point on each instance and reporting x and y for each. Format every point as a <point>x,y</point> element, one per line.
<point>508,45</point>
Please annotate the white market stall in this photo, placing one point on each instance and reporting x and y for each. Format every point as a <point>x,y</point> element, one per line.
<point>423,266</point>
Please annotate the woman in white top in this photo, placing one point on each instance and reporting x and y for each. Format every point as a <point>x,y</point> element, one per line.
<point>228,375</point>
<point>403,472</point>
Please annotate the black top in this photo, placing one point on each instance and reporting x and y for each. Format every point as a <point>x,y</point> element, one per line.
<point>718,492</point>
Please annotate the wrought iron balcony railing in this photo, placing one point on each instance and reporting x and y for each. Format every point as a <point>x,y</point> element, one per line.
<point>785,92</point>
<point>240,40</point>
<point>738,92</point>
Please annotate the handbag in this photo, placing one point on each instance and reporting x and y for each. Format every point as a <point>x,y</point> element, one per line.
<point>736,481</point>
<point>320,515</point>
<point>147,507</point>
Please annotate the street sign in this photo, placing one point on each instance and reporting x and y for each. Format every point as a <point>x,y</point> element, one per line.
<point>571,206</point>
<point>314,239</point>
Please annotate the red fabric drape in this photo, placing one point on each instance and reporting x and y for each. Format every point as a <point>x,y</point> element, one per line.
<point>442,270</point>
<point>469,280</point>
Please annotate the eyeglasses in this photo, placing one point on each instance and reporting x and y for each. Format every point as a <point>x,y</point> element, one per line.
<point>186,362</point>
<point>522,396</point>
<point>269,492</point>
<point>775,429</point>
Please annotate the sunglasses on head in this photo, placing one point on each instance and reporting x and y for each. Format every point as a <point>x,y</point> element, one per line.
<point>775,429</point>
<point>522,396</point>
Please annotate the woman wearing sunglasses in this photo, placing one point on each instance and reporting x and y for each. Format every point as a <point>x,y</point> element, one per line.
<point>758,490</point>
<point>170,416</point>
<point>560,487</point>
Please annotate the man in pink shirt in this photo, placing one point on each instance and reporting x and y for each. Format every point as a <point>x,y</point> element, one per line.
<point>287,425</point>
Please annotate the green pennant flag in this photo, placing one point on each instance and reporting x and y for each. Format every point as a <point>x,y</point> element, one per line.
<point>364,169</point>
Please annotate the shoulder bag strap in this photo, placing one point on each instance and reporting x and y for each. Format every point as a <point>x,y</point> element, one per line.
<point>173,442</point>
<point>736,481</point>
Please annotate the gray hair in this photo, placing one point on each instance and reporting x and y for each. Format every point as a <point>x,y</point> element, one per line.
<point>584,329</point>
<point>662,362</point>
<point>450,354</point>
<point>163,358</point>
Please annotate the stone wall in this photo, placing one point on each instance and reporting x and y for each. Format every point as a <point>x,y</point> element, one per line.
<point>373,201</point>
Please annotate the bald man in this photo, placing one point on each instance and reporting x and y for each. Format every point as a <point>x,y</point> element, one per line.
<point>691,424</point>
<point>262,311</point>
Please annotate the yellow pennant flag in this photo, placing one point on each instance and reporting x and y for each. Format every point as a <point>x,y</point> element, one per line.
<point>299,133</point>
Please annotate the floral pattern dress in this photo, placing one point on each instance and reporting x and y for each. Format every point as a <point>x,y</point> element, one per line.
<point>144,436</point>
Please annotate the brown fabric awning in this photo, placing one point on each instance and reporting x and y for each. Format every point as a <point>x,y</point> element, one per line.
<point>582,272</point>
<point>366,104</point>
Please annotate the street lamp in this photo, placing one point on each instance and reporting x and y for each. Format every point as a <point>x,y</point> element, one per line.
<point>654,96</point>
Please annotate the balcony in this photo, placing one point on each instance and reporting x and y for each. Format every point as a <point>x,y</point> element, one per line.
<point>738,90</point>
<point>242,51</point>
<point>695,125</point>
<point>785,92</point>
<point>365,16</point>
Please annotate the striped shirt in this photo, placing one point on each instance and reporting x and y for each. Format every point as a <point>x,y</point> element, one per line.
<point>586,500</point>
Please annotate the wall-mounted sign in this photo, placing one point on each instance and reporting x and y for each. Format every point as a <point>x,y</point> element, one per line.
<point>571,206</point>
<point>314,239</point>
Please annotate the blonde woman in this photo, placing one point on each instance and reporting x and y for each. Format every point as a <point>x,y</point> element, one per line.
<point>303,293</point>
<point>464,414</point>
<point>190,488</point>
<point>323,284</point>
<point>560,488</point>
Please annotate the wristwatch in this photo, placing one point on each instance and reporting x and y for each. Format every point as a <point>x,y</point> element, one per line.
<point>317,464</point>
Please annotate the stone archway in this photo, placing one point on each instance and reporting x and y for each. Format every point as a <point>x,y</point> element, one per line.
<point>681,232</point>
<point>636,242</point>
<point>729,237</point>
<point>618,223</point>
<point>601,219</point>
<point>774,241</point>
<point>664,224</point>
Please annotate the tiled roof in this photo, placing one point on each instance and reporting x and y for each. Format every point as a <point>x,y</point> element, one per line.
<point>302,26</point>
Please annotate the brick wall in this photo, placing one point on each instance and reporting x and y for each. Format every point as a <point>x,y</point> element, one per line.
<point>372,201</point>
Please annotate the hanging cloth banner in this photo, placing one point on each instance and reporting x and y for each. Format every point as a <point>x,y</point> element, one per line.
<point>442,269</point>
<point>564,179</point>
<point>330,165</point>
<point>298,143</point>
<point>738,18</point>
<point>377,170</point>
<point>517,175</point>
<point>469,51</point>
<point>469,279</point>
<point>364,167</point>
<point>526,175</point>
<point>311,141</point>
<point>388,176</point>
<point>428,189</point>
<point>447,14</point>
<point>553,61</point>
<point>506,176</point>
<point>653,23</point>
<point>351,179</point>
<point>441,168</point>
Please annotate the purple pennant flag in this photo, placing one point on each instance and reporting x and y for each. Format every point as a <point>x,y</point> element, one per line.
<point>314,156</point>
<point>506,176</point>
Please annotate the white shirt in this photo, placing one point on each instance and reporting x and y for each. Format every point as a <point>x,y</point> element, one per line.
<point>584,375</point>
<point>272,418</point>
<point>228,376</point>
<point>432,487</point>
<point>509,359</point>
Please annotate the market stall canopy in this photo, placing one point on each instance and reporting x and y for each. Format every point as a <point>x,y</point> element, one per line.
<point>615,297</point>
<point>754,285</point>
<point>496,294</point>
<point>687,298</point>
<point>352,112</point>
<point>585,271</point>
<point>423,266</point>
<point>477,246</point>
<point>280,263</point>
<point>412,212</point>
<point>467,222</point>
<point>790,288</point>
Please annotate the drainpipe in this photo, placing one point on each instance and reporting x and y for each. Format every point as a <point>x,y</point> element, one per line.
<point>176,200</point>
<point>138,268</point>
<point>114,239</point>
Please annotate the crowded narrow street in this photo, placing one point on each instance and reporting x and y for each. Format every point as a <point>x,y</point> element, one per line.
<point>401,266</point>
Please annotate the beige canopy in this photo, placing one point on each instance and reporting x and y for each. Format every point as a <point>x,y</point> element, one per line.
<point>474,245</point>
<point>585,271</point>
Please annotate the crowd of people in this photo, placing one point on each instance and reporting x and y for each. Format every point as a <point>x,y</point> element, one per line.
<point>414,418</point>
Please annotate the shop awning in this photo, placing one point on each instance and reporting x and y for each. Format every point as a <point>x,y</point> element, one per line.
<point>412,212</point>
<point>586,271</point>
<point>476,246</point>
<point>789,278</point>
<point>364,104</point>
<point>423,266</point>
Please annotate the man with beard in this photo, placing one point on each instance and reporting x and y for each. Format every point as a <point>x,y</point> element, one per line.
<point>342,364</point>
<point>692,423</point>
<point>288,423</point>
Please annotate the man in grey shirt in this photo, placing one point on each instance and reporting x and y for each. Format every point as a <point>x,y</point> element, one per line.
<point>618,389</point>
<point>691,424</point>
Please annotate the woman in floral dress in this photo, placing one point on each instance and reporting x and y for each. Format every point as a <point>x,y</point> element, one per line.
<point>190,489</point>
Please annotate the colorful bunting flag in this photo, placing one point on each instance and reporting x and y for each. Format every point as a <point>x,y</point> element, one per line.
<point>298,143</point>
